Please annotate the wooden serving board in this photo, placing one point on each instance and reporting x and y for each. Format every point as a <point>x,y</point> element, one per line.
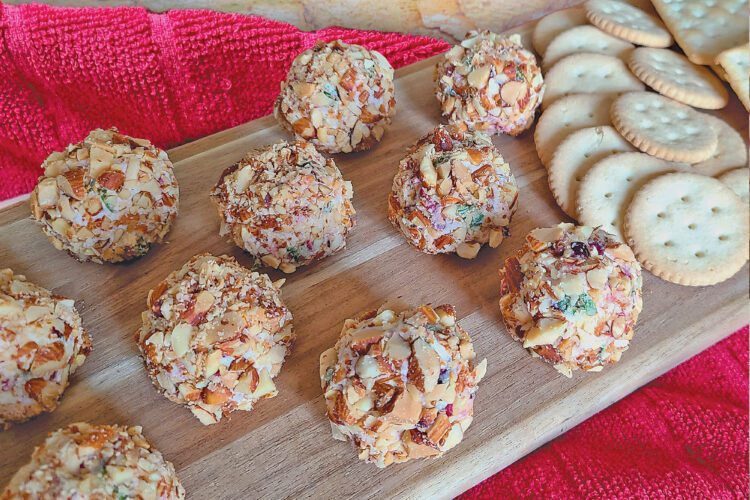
<point>284,448</point>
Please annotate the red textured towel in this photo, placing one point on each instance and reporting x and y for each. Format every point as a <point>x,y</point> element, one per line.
<point>179,76</point>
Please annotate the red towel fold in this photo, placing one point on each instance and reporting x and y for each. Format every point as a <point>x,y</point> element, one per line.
<point>182,75</point>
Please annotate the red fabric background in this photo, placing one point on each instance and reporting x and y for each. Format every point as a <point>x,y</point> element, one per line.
<point>182,75</point>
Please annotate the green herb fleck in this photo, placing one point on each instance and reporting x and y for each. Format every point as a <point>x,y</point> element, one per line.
<point>563,304</point>
<point>329,374</point>
<point>476,221</point>
<point>464,210</point>
<point>293,252</point>
<point>585,303</point>
<point>331,92</point>
<point>106,199</point>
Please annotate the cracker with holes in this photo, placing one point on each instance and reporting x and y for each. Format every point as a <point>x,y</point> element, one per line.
<point>553,24</point>
<point>738,180</point>
<point>736,66</point>
<point>673,75</point>
<point>584,39</point>
<point>663,127</point>
<point>607,188</point>
<point>627,22</point>
<point>565,116</point>
<point>688,229</point>
<point>587,74</point>
<point>730,152</point>
<point>705,28</point>
<point>575,155</point>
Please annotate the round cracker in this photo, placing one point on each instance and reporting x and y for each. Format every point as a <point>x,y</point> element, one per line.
<point>663,127</point>
<point>738,180</point>
<point>627,22</point>
<point>565,116</point>
<point>553,24</point>
<point>584,39</point>
<point>730,152</point>
<point>586,74</point>
<point>575,155</point>
<point>607,188</point>
<point>688,229</point>
<point>673,75</point>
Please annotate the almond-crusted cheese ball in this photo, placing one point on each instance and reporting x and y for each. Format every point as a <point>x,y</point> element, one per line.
<point>490,83</point>
<point>572,295</point>
<point>338,96</point>
<point>98,462</point>
<point>401,385</point>
<point>214,336</point>
<point>286,205</point>
<point>452,193</point>
<point>42,343</point>
<point>106,199</point>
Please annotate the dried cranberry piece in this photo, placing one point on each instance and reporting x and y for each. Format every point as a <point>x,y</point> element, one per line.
<point>580,249</point>
<point>598,245</point>
<point>449,410</point>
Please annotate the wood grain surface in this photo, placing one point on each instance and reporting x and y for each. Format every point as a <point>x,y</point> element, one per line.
<point>284,448</point>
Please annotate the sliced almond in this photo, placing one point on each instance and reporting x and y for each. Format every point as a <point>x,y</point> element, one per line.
<point>479,76</point>
<point>623,252</point>
<point>513,91</point>
<point>181,335</point>
<point>271,261</point>
<point>47,193</point>
<point>429,174</point>
<point>216,396</point>
<point>265,385</point>
<point>71,183</point>
<point>99,161</point>
<point>454,436</point>
<point>496,238</point>
<point>212,363</point>
<point>468,250</point>
<point>204,301</point>
<point>545,333</point>
<point>397,348</point>
<point>597,278</point>
<point>244,176</point>
<point>429,363</point>
<point>367,367</point>
<point>406,407</point>
<point>303,89</point>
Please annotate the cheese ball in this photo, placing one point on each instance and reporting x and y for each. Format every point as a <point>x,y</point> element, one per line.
<point>95,461</point>
<point>338,96</point>
<point>42,343</point>
<point>286,204</point>
<point>214,336</point>
<point>106,199</point>
<point>401,386</point>
<point>489,83</point>
<point>572,295</point>
<point>453,192</point>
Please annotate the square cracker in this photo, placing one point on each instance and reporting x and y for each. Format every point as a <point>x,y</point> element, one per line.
<point>705,28</point>
<point>736,65</point>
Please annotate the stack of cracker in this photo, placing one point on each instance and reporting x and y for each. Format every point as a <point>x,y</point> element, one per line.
<point>646,166</point>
